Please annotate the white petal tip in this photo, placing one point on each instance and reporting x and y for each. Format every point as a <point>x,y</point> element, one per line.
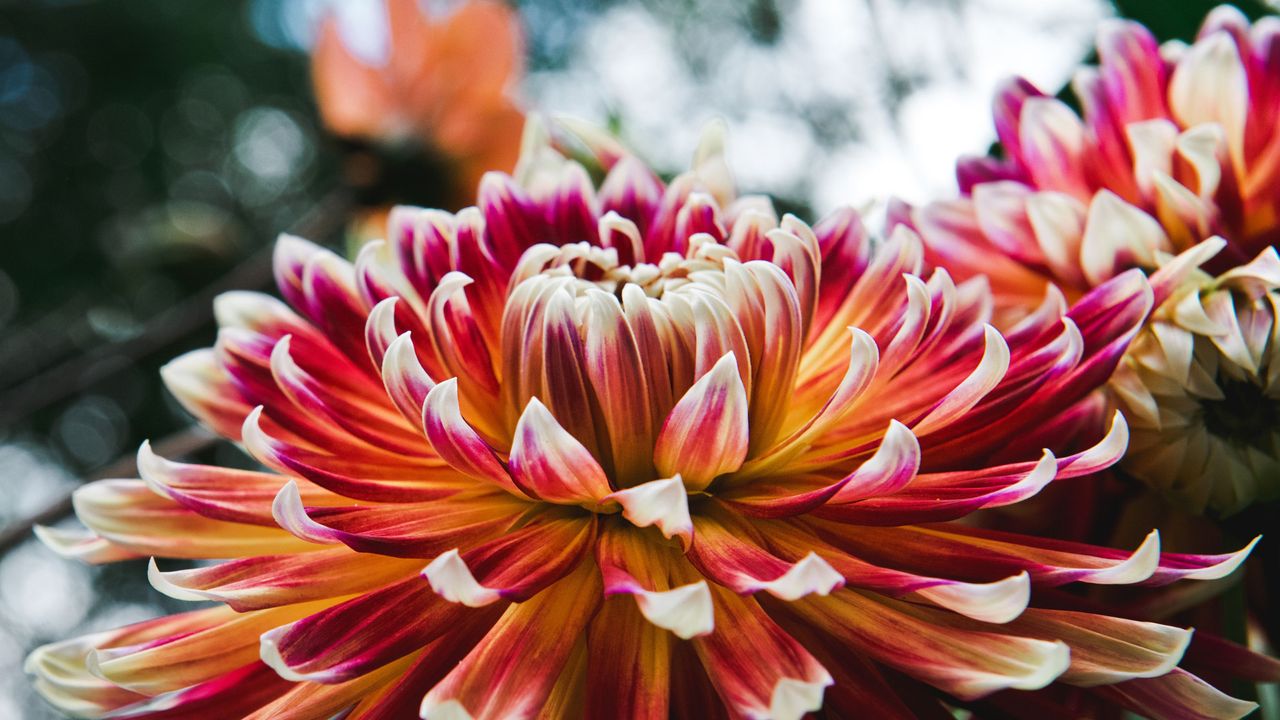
<point>998,602</point>
<point>291,514</point>
<point>662,503</point>
<point>269,652</point>
<point>810,576</point>
<point>792,699</point>
<point>452,580</point>
<point>165,587</point>
<point>1139,566</point>
<point>685,611</point>
<point>1226,567</point>
<point>447,710</point>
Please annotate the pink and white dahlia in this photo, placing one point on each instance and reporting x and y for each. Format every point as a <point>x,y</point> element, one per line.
<point>643,450</point>
<point>1173,168</point>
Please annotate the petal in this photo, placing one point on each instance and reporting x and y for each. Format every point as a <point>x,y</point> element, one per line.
<point>515,566</point>
<point>237,693</point>
<point>968,664</point>
<point>82,545</point>
<point>406,381</point>
<point>457,442</point>
<point>947,496</point>
<point>204,389</point>
<point>131,516</point>
<point>757,668</point>
<point>365,633</point>
<point>629,675</point>
<point>240,496</point>
<point>726,549</point>
<point>1177,696</point>
<point>982,380</point>
<point>1052,138</point>
<point>632,565</point>
<point>375,425</point>
<point>996,602</point>
<point>272,580</point>
<point>1118,236</point>
<point>706,433</point>
<point>1106,650</point>
<point>1209,85</point>
<point>969,553</point>
<point>550,464</point>
<point>408,530</point>
<point>180,661</point>
<point>401,697</point>
<point>350,474</point>
<point>497,679</point>
<point>305,701</point>
<point>661,503</point>
<point>616,372</point>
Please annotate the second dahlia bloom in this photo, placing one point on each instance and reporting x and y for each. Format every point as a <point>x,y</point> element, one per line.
<point>626,452</point>
<point>1174,166</point>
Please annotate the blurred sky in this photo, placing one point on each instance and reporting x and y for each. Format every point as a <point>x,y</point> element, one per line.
<point>829,101</point>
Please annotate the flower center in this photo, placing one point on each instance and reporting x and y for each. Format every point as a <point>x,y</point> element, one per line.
<point>612,337</point>
<point>1245,415</point>
<point>596,267</point>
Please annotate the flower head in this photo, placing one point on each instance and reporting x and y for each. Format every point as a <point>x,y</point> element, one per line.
<point>645,450</point>
<point>1173,168</point>
<point>445,82</point>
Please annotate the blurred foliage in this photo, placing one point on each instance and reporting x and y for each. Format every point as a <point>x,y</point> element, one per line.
<point>146,147</point>
<point>1180,19</point>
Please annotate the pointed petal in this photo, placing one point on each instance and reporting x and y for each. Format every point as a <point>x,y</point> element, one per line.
<point>256,583</point>
<point>550,464</point>
<point>706,433</point>
<point>457,443</point>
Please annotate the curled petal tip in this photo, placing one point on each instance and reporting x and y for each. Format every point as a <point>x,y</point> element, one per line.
<point>661,503</point>
<point>686,611</point>
<point>269,652</point>
<point>290,514</point>
<point>151,468</point>
<point>452,580</point>
<point>792,699</point>
<point>1139,566</point>
<point>447,710</point>
<point>1227,566</point>
<point>810,576</point>
<point>165,587</point>
<point>998,602</point>
<point>60,540</point>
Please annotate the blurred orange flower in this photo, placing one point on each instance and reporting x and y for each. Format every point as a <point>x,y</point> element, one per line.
<point>444,83</point>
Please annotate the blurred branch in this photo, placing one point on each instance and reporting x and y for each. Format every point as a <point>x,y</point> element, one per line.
<point>183,442</point>
<point>44,342</point>
<point>195,312</point>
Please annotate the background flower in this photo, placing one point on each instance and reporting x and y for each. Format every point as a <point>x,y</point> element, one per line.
<point>446,81</point>
<point>1172,169</point>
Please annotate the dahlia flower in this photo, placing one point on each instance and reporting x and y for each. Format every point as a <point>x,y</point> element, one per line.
<point>645,450</point>
<point>1174,168</point>
<point>445,82</point>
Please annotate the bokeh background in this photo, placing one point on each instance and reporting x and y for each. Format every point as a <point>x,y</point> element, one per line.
<point>151,150</point>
